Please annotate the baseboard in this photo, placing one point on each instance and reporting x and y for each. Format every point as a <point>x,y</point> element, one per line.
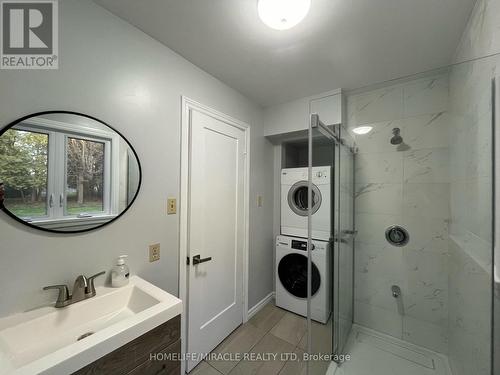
<point>259,305</point>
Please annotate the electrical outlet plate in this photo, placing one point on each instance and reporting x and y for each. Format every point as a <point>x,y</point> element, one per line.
<point>154,252</point>
<point>171,206</point>
<point>259,200</point>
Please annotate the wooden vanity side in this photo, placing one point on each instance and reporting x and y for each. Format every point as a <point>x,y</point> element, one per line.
<point>161,366</point>
<point>134,357</point>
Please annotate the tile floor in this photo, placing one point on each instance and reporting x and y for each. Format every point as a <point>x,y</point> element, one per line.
<point>273,330</point>
<point>270,330</point>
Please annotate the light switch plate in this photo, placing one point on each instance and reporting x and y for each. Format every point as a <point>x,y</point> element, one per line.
<point>154,252</point>
<point>171,206</point>
<point>259,201</point>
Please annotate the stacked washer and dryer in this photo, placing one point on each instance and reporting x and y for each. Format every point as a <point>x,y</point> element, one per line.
<point>291,245</point>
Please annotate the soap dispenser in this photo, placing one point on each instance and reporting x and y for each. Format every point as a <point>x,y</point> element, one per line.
<point>120,273</point>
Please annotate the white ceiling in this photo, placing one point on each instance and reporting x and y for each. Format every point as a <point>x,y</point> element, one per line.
<point>341,43</point>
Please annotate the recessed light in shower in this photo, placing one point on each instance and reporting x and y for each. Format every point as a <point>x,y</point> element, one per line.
<point>282,14</point>
<point>360,130</point>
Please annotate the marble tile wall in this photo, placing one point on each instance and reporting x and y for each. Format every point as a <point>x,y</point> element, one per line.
<point>440,188</point>
<point>407,185</point>
<point>470,278</point>
<point>471,156</point>
<point>469,314</point>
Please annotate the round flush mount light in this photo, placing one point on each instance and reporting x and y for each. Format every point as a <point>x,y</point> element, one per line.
<point>282,14</point>
<point>360,130</point>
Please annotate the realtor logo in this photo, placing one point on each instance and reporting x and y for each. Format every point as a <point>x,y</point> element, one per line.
<point>29,34</point>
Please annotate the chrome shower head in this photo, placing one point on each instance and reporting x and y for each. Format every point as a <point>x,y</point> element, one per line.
<point>396,138</point>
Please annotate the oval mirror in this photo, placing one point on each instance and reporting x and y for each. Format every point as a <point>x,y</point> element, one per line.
<point>66,172</point>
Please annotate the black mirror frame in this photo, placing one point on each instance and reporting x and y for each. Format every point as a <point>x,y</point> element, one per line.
<point>4,209</point>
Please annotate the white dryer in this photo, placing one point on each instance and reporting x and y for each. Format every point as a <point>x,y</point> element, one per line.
<point>291,277</point>
<point>294,182</point>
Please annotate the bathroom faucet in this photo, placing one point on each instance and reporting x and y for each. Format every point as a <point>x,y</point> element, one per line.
<point>82,289</point>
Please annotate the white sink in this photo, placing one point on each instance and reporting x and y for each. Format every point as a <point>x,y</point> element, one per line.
<point>46,340</point>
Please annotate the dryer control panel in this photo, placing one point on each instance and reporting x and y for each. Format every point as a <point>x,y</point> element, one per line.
<point>299,245</point>
<point>320,175</point>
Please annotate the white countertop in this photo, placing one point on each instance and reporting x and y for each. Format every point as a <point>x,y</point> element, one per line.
<point>44,341</point>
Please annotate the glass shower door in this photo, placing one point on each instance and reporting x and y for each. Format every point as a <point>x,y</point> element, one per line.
<point>330,243</point>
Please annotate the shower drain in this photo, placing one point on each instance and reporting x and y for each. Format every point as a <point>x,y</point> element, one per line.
<point>84,335</point>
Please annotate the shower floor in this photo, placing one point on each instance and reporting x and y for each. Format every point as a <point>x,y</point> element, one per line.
<point>373,353</point>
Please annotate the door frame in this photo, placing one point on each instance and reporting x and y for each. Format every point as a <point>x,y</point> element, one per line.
<point>185,137</point>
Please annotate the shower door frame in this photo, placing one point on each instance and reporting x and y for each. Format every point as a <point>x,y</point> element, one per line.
<point>344,235</point>
<point>316,124</point>
<point>333,135</point>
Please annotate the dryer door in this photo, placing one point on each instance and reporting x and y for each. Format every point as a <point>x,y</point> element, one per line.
<point>297,198</point>
<point>292,272</point>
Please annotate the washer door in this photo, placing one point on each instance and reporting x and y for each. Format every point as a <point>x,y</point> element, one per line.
<point>292,271</point>
<point>297,198</point>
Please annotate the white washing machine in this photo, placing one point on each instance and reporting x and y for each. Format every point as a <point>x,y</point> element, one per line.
<point>294,202</point>
<point>291,277</point>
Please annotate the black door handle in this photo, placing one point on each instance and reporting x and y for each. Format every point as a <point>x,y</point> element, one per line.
<point>197,259</point>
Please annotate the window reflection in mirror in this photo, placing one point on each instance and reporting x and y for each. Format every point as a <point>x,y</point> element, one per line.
<point>23,162</point>
<point>66,172</point>
<point>85,185</point>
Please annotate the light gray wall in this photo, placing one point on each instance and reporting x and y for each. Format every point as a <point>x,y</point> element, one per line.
<point>114,72</point>
<point>293,116</point>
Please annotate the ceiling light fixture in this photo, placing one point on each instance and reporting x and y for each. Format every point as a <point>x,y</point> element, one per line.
<point>283,14</point>
<point>360,130</point>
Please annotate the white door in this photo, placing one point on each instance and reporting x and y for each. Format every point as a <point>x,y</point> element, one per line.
<point>216,230</point>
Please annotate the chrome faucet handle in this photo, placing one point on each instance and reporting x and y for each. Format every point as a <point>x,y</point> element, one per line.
<point>63,296</point>
<point>90,283</point>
